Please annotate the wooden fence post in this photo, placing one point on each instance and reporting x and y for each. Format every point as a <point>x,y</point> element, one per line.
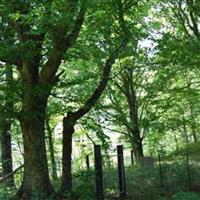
<point>87,162</point>
<point>99,173</point>
<point>121,171</point>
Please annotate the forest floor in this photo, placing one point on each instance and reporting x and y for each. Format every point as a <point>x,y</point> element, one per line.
<point>180,180</point>
<point>145,183</point>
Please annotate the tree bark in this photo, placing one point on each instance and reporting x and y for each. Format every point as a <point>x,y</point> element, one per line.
<point>137,146</point>
<point>6,153</point>
<point>36,178</point>
<point>139,149</point>
<point>6,146</point>
<point>68,130</point>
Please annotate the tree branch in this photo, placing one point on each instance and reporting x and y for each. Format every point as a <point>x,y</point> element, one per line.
<point>60,47</point>
<point>90,102</point>
<point>8,175</point>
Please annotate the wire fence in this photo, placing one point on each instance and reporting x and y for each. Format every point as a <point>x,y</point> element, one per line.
<point>162,175</point>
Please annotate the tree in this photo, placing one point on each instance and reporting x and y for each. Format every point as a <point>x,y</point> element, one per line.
<point>73,116</point>
<point>41,38</point>
<point>51,149</point>
<point>5,128</point>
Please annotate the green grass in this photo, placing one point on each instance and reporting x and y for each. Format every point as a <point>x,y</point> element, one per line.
<point>186,196</point>
<point>142,183</point>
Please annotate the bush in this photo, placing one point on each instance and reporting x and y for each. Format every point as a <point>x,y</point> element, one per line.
<point>84,185</point>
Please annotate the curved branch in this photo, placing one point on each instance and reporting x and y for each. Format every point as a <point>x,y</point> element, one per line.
<point>90,102</point>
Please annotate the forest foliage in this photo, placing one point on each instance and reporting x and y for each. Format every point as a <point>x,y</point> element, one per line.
<point>75,73</point>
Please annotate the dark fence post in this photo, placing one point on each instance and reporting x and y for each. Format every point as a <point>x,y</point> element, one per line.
<point>188,170</point>
<point>160,170</point>
<point>87,162</point>
<point>121,171</point>
<point>99,173</point>
<point>132,159</point>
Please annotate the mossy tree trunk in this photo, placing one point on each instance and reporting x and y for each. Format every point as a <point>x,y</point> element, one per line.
<point>32,119</point>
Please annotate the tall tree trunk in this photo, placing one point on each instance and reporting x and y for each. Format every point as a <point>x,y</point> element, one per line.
<point>131,97</point>
<point>6,146</point>
<point>140,152</point>
<point>6,152</point>
<point>194,135</point>
<point>193,124</point>
<point>176,143</point>
<point>73,117</point>
<point>185,132</point>
<point>51,151</point>
<point>68,130</point>
<point>36,178</point>
<point>137,145</point>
